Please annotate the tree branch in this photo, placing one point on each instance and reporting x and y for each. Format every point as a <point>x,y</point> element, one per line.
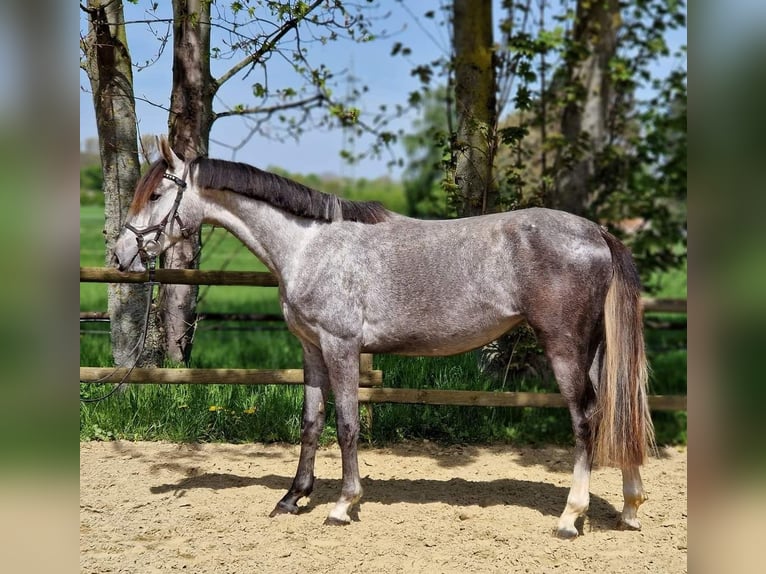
<point>268,45</point>
<point>271,109</point>
<point>151,103</point>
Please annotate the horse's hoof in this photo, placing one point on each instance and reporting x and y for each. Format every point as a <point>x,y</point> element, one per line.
<point>567,533</point>
<point>283,508</point>
<point>629,524</point>
<point>332,521</point>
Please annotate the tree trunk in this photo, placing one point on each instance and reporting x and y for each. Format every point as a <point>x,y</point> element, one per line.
<point>584,122</point>
<point>190,120</point>
<point>475,106</point>
<point>108,65</point>
<point>475,144</point>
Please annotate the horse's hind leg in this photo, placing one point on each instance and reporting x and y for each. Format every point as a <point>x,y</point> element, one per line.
<point>633,495</point>
<point>569,362</point>
<point>316,384</point>
<point>578,499</point>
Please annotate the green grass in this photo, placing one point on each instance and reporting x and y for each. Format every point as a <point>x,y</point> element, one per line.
<point>462,424</point>
<point>92,254</point>
<point>272,413</point>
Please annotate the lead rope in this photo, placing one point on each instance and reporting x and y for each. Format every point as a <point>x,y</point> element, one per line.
<point>140,343</point>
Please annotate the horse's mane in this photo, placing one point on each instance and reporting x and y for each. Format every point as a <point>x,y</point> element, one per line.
<point>284,193</point>
<point>274,189</point>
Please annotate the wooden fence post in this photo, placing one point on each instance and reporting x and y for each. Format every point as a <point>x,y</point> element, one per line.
<point>365,409</point>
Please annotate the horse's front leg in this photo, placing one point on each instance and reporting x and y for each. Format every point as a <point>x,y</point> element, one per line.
<point>343,366</point>
<point>316,384</point>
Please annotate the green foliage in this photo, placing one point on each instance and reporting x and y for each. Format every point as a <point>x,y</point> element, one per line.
<point>347,116</point>
<point>638,174</point>
<point>512,135</point>
<point>91,177</point>
<point>658,186</point>
<point>91,185</point>
<point>641,173</point>
<point>427,148</point>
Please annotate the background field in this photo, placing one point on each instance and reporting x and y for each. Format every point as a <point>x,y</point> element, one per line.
<point>272,413</point>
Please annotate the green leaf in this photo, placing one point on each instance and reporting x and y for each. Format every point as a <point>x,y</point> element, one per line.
<point>513,134</point>
<point>423,72</point>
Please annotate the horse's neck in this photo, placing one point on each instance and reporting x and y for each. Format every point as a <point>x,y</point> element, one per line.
<point>271,234</point>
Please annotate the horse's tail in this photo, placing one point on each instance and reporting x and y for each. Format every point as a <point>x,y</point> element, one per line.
<point>623,429</point>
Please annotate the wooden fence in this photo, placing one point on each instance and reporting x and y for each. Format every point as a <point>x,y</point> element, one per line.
<point>371,381</point>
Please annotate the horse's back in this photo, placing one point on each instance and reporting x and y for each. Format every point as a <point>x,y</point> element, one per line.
<point>445,287</point>
<point>525,246</point>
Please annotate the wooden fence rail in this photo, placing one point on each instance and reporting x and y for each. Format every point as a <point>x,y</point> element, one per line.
<point>266,279</point>
<point>493,398</point>
<point>180,277</point>
<point>371,390</point>
<point>141,376</point>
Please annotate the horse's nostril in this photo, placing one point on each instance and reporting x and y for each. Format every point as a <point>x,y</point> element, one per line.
<point>116,262</point>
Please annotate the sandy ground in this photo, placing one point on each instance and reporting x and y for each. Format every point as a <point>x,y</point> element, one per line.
<point>150,507</point>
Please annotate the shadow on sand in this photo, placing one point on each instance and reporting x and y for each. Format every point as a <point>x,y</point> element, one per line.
<point>542,497</point>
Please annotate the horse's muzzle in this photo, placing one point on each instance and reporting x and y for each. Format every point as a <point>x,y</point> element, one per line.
<point>116,262</point>
<point>132,263</point>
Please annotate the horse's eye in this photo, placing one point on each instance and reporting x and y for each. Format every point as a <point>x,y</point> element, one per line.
<point>154,197</point>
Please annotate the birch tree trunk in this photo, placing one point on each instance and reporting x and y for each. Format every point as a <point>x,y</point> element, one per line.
<point>475,107</point>
<point>584,122</point>
<point>190,120</point>
<point>108,65</point>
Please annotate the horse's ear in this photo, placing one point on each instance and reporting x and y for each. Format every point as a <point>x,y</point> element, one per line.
<point>168,154</point>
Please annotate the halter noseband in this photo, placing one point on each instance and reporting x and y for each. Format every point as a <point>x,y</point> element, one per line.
<point>149,249</point>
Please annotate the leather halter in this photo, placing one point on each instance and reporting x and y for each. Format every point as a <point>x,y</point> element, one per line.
<point>149,249</point>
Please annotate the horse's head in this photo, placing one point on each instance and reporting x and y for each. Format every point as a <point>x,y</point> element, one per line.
<point>159,215</point>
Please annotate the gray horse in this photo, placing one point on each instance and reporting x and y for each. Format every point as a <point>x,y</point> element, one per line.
<point>354,277</point>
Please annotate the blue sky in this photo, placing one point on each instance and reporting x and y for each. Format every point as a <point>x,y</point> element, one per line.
<point>389,80</point>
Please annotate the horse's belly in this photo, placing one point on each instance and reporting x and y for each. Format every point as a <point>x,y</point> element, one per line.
<point>440,340</point>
